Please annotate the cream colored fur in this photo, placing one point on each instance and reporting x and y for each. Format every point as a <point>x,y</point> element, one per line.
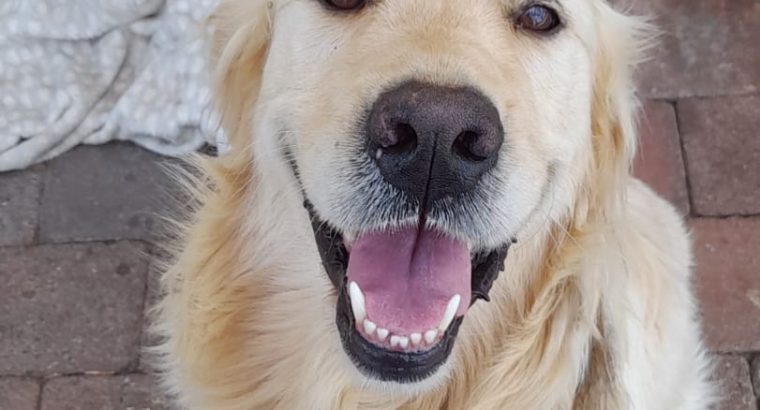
<point>594,310</point>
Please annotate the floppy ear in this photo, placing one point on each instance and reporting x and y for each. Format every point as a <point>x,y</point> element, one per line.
<point>621,42</point>
<point>239,46</point>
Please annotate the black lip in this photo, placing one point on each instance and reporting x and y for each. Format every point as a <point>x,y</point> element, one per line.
<point>372,360</point>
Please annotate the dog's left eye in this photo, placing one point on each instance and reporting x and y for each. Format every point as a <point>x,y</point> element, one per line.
<point>345,4</point>
<point>538,18</point>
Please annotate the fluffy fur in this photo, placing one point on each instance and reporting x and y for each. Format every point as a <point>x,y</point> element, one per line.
<point>594,310</point>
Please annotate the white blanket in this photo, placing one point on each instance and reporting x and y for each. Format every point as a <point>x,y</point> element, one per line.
<point>90,71</point>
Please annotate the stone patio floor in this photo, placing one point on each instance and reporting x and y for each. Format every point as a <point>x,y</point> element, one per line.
<point>76,233</point>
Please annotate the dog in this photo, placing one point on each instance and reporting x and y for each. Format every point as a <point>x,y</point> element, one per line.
<point>428,204</point>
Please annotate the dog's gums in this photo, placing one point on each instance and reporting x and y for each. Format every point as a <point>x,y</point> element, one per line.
<point>394,349</point>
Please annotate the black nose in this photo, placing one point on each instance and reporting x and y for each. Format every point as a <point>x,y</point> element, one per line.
<point>433,141</point>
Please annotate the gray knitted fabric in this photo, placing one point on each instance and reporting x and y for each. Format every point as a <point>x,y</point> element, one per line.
<point>90,71</point>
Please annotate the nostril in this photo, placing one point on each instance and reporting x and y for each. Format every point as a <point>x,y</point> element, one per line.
<point>467,146</point>
<point>405,139</point>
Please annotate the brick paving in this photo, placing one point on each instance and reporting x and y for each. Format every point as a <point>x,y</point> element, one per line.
<point>117,181</point>
<point>660,162</point>
<point>76,233</point>
<point>704,78</point>
<point>722,155</point>
<point>19,203</point>
<point>75,251</point>
<point>19,393</point>
<point>732,375</point>
<point>707,48</point>
<point>102,392</point>
<point>728,281</point>
<point>71,308</point>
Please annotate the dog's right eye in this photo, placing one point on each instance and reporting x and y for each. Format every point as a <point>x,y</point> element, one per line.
<point>539,18</point>
<point>345,5</point>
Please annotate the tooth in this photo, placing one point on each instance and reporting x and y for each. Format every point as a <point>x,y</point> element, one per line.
<point>416,338</point>
<point>403,341</point>
<point>382,334</point>
<point>357,302</point>
<point>395,341</point>
<point>430,336</point>
<point>451,311</point>
<point>369,327</point>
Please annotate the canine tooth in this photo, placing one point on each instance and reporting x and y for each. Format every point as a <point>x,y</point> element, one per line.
<point>382,334</point>
<point>451,311</point>
<point>430,336</point>
<point>403,341</point>
<point>395,341</point>
<point>357,302</point>
<point>369,327</point>
<point>416,338</point>
<point>378,153</point>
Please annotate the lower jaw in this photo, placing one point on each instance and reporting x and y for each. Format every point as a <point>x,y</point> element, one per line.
<point>390,366</point>
<point>374,362</point>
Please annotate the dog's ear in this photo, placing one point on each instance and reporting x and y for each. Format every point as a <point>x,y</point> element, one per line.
<point>239,43</point>
<point>622,41</point>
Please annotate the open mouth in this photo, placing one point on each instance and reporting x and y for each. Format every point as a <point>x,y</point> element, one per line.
<point>403,294</point>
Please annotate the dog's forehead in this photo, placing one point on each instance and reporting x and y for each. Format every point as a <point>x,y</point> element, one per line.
<point>397,12</point>
<point>462,4</point>
<point>309,31</point>
<point>417,4</point>
<point>448,38</point>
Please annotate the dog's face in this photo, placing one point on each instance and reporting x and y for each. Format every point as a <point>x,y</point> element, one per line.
<point>426,136</point>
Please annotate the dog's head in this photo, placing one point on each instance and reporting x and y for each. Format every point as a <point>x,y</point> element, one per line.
<point>425,137</point>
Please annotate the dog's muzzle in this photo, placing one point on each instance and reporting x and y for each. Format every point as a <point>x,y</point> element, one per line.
<point>403,292</point>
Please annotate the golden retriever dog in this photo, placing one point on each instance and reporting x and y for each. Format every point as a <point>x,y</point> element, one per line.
<point>427,204</point>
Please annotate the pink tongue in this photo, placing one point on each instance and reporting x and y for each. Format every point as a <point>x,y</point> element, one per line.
<point>408,277</point>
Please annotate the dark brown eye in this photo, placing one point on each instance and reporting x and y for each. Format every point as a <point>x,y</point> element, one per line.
<point>345,4</point>
<point>538,18</point>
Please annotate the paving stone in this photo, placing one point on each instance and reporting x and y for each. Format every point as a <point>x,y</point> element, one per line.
<point>114,191</point>
<point>728,281</point>
<point>755,369</point>
<point>103,393</point>
<point>735,387</point>
<point>148,339</point>
<point>659,162</point>
<point>18,394</point>
<point>19,206</point>
<point>70,308</point>
<point>722,144</point>
<point>706,47</point>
